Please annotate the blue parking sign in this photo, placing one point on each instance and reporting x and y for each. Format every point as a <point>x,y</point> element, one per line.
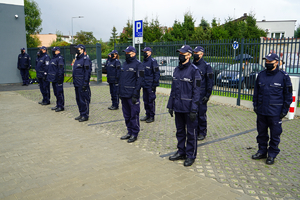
<point>138,27</point>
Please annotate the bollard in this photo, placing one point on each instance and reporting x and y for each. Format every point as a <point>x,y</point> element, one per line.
<point>293,106</point>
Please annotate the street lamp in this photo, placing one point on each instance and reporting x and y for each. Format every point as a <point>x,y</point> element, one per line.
<point>72,25</point>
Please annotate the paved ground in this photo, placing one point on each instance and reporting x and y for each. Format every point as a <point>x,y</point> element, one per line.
<point>45,153</point>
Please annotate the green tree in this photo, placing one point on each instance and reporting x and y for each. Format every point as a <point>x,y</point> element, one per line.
<point>204,24</point>
<point>152,31</point>
<point>114,35</point>
<point>126,35</point>
<point>59,44</point>
<point>200,34</point>
<point>188,26</point>
<point>85,38</point>
<point>33,22</point>
<point>297,32</point>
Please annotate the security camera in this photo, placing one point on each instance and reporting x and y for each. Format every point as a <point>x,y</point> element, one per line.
<point>16,16</point>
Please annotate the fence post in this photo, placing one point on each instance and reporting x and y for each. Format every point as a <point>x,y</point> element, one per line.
<point>240,73</point>
<point>99,63</point>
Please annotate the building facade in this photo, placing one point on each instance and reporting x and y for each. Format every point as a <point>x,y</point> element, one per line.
<point>13,38</point>
<point>278,29</point>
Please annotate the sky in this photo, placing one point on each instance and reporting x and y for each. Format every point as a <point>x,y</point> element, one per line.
<point>99,16</point>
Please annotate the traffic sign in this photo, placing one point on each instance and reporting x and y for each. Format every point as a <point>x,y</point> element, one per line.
<point>138,27</point>
<point>235,45</point>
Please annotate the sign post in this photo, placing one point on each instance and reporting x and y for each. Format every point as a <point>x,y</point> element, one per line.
<point>138,28</point>
<point>235,46</point>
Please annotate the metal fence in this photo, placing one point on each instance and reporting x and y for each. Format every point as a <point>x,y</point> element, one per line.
<point>232,78</point>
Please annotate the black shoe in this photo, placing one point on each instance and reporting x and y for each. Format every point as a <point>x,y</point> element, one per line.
<point>200,137</point>
<point>40,102</point>
<point>54,108</point>
<point>177,156</point>
<point>145,118</point>
<point>188,162</point>
<point>78,118</point>
<point>151,119</point>
<point>44,104</point>
<point>59,109</point>
<point>132,139</point>
<point>113,108</point>
<point>23,84</point>
<point>125,137</point>
<point>258,156</point>
<point>82,119</point>
<point>270,160</point>
<point>109,108</point>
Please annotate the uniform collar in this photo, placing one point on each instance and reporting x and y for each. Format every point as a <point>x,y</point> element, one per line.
<point>199,61</point>
<point>80,56</point>
<point>185,65</point>
<point>146,59</point>
<point>272,73</point>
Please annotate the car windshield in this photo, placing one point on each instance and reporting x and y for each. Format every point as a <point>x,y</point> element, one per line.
<point>174,63</point>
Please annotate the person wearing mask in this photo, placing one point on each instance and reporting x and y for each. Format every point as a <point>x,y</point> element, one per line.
<point>131,77</point>
<point>271,101</point>
<point>184,101</point>
<point>24,64</point>
<point>113,69</point>
<point>207,77</point>
<point>56,76</point>
<point>151,81</point>
<point>81,79</point>
<point>41,73</point>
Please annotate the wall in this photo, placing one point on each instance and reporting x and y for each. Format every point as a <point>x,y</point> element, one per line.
<point>46,39</point>
<point>286,26</point>
<point>13,38</point>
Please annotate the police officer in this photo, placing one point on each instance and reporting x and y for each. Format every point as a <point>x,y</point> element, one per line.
<point>184,100</point>
<point>151,81</point>
<point>131,77</point>
<point>24,64</point>
<point>113,69</point>
<point>271,101</point>
<point>205,91</point>
<point>41,73</point>
<point>56,76</point>
<point>81,80</point>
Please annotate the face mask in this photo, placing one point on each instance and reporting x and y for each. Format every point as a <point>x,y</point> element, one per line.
<point>41,52</point>
<point>77,52</point>
<point>196,57</point>
<point>127,56</point>
<point>53,53</point>
<point>181,58</point>
<point>22,51</point>
<point>269,66</point>
<point>112,56</point>
<point>145,55</point>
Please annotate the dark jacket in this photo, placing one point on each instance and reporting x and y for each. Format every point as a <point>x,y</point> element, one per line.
<point>152,73</point>
<point>82,71</point>
<point>56,69</point>
<point>113,67</point>
<point>185,91</point>
<point>24,61</point>
<point>42,65</point>
<point>272,93</point>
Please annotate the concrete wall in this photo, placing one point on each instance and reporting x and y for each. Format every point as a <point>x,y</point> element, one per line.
<point>286,26</point>
<point>13,38</point>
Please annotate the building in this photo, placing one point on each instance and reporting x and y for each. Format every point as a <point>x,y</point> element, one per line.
<point>13,38</point>
<point>47,39</point>
<point>278,29</point>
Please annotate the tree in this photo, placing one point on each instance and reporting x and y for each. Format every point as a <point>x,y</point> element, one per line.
<point>297,32</point>
<point>85,38</point>
<point>200,34</point>
<point>188,26</point>
<point>114,35</point>
<point>152,31</point>
<point>33,22</point>
<point>204,24</point>
<point>126,35</point>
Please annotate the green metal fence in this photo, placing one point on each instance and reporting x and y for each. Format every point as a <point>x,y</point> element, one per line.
<point>232,77</point>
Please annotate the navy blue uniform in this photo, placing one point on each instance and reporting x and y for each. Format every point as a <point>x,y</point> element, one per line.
<point>113,69</point>
<point>81,77</point>
<point>24,64</point>
<point>184,99</point>
<point>205,91</point>
<point>41,73</point>
<point>150,82</point>
<point>131,77</point>
<point>56,76</point>
<point>272,97</point>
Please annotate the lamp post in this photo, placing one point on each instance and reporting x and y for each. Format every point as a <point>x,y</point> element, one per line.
<point>72,25</point>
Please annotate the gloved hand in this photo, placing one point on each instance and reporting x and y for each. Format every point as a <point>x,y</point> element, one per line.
<point>84,88</point>
<point>154,89</point>
<point>282,115</point>
<point>205,100</point>
<point>171,111</point>
<point>60,80</point>
<point>193,116</point>
<point>134,100</point>
<point>255,109</point>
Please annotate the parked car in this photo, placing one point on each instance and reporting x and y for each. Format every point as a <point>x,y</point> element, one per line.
<point>166,65</point>
<point>217,67</point>
<point>95,66</point>
<point>230,76</point>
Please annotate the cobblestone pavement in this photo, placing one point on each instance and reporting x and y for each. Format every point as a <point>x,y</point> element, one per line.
<point>225,154</point>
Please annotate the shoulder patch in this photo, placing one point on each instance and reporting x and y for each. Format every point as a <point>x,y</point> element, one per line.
<point>284,72</point>
<point>84,57</point>
<point>138,61</point>
<point>195,66</point>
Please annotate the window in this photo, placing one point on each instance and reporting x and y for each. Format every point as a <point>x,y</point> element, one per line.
<point>277,35</point>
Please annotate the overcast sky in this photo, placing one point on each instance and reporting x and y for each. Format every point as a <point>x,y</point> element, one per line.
<point>100,16</point>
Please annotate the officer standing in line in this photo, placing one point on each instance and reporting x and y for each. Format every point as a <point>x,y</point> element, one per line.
<point>207,84</point>
<point>41,73</point>
<point>184,100</point>
<point>131,77</point>
<point>271,101</point>
<point>56,76</point>
<point>81,80</point>
<point>113,69</point>
<point>24,64</point>
<point>151,81</point>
